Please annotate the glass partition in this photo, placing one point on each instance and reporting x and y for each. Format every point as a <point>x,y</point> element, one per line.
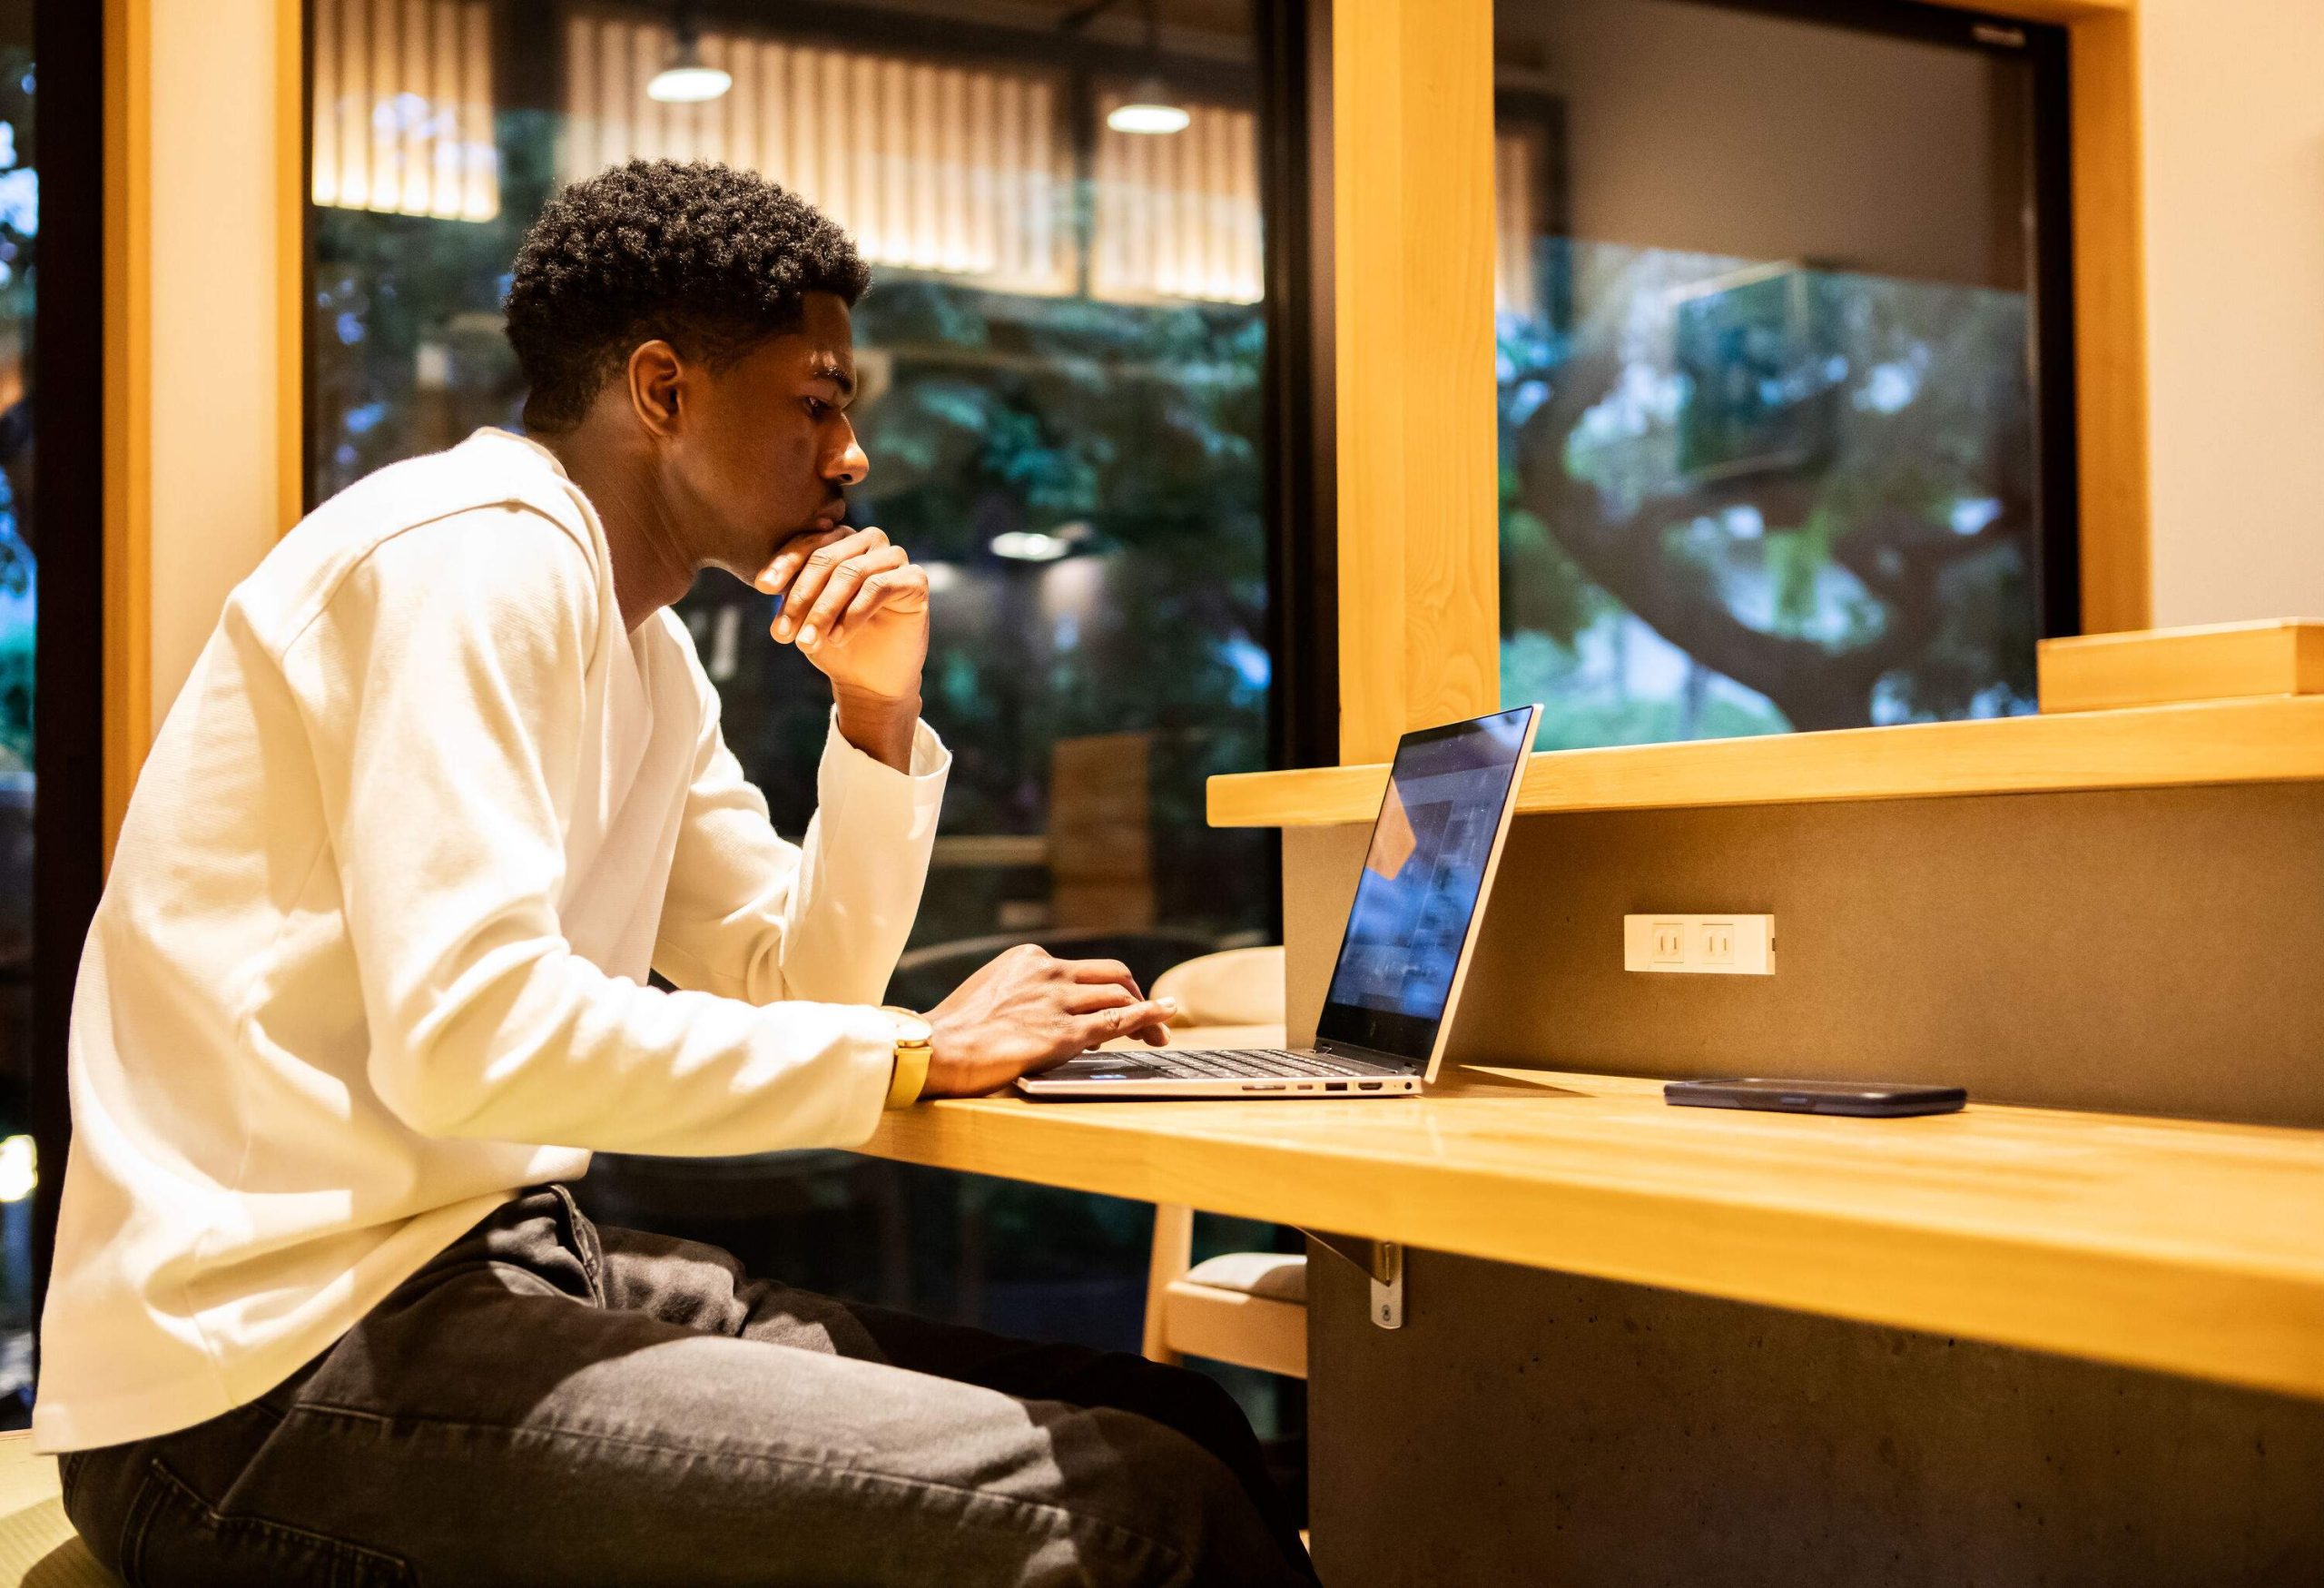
<point>1784,441</point>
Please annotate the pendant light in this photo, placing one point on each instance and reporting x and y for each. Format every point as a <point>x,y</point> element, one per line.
<point>1149,110</point>
<point>684,79</point>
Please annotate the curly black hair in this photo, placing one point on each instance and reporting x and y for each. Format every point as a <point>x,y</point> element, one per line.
<point>713,260</point>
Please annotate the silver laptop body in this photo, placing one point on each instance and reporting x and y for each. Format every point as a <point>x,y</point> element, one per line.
<point>1403,955</point>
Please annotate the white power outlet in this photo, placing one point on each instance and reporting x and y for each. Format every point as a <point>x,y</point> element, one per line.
<point>1701,945</point>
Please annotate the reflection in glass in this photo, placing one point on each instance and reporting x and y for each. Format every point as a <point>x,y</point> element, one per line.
<point>1060,363</point>
<point>1766,405</point>
<point>19,612</point>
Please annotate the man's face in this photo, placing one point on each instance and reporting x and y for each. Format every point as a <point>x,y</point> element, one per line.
<point>767,449</point>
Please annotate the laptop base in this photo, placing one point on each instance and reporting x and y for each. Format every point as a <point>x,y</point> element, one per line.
<point>1164,1073</point>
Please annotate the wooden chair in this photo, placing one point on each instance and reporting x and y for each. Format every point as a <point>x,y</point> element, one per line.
<point>1249,1309</point>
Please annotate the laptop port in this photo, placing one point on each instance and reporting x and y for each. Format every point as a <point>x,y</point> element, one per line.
<point>1370,1085</point>
<point>1335,1085</point>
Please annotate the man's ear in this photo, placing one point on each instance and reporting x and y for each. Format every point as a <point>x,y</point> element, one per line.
<point>657,380</point>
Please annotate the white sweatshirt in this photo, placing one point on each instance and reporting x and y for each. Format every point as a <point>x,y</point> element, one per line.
<point>377,930</point>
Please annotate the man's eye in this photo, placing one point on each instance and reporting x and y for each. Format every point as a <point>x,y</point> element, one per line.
<point>817,407</point>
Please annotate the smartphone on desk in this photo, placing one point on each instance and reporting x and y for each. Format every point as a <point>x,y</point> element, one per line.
<point>1864,1098</point>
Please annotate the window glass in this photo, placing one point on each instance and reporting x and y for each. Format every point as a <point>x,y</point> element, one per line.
<point>19,605</point>
<point>1060,359</point>
<point>1769,419</point>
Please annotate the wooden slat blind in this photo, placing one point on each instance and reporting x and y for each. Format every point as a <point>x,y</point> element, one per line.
<point>962,170</point>
<point>403,108</point>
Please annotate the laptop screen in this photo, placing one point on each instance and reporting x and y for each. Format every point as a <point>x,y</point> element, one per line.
<point>1421,879</point>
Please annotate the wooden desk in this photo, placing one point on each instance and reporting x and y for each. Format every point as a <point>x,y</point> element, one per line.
<point>2190,1248</point>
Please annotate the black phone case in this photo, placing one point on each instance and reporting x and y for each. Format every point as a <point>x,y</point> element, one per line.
<point>1860,1100</point>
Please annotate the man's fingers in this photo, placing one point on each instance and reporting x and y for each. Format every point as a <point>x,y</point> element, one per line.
<point>1095,1029</point>
<point>1107,972</point>
<point>901,589</point>
<point>847,582</point>
<point>791,557</point>
<point>801,593</point>
<point>799,597</point>
<point>1087,1000</point>
<point>1090,998</point>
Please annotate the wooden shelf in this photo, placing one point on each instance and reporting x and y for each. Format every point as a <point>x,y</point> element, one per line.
<point>2180,1247</point>
<point>2160,666</point>
<point>2273,739</point>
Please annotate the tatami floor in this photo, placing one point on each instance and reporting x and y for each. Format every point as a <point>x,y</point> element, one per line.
<point>38,1546</point>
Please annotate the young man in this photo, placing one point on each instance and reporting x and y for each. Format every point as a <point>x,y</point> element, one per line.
<point>370,978</point>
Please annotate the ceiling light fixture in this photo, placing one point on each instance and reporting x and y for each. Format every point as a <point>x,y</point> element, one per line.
<point>1030,546</point>
<point>1149,110</point>
<point>684,79</point>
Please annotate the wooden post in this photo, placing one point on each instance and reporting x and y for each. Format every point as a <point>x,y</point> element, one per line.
<point>1413,233</point>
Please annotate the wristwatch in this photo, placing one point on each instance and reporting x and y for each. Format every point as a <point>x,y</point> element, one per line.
<point>915,1041</point>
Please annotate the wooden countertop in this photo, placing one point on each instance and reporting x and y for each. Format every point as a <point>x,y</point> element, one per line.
<point>2188,1248</point>
<point>2266,739</point>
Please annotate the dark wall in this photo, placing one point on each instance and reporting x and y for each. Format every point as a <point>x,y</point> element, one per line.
<point>2153,951</point>
<point>1528,1427</point>
<point>68,510</point>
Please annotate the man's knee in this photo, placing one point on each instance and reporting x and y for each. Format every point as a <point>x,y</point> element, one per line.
<point>1193,1403</point>
<point>1166,1485</point>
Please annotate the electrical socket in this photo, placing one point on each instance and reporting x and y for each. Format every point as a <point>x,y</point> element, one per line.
<point>1701,945</point>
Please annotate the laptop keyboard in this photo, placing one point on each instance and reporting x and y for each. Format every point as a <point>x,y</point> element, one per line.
<point>1211,1063</point>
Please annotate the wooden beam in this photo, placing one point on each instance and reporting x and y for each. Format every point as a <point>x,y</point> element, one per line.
<point>2109,325</point>
<point>205,263</point>
<point>291,261</point>
<point>1412,214</point>
<point>128,402</point>
<point>2268,740</point>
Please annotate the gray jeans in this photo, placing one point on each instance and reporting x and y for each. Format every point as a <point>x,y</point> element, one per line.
<point>548,1403</point>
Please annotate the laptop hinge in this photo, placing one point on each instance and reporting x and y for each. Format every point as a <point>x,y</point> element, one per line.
<point>1382,1261</point>
<point>1392,1062</point>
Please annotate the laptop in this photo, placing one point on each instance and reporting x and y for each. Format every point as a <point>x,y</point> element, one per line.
<point>1419,902</point>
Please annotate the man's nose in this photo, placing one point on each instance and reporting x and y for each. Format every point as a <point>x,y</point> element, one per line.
<point>851,466</point>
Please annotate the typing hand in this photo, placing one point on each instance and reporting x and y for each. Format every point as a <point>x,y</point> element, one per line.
<point>1028,1009</point>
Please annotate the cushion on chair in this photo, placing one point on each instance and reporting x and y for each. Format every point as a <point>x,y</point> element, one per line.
<point>1273,1275</point>
<point>1236,987</point>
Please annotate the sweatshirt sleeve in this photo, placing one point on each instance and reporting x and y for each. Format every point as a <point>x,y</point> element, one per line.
<point>444,685</point>
<point>751,916</point>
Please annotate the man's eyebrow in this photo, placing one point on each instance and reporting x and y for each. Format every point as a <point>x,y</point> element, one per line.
<point>827,368</point>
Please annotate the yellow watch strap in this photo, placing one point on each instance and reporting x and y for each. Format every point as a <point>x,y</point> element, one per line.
<point>911,1074</point>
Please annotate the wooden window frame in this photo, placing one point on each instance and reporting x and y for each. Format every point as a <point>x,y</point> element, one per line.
<point>1417,550</point>
<point>238,364</point>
